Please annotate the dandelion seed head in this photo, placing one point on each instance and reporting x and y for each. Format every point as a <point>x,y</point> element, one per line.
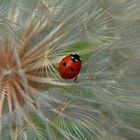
<point>35,103</point>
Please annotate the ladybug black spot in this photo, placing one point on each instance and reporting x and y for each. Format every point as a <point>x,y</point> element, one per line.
<point>72,69</point>
<point>70,77</point>
<point>64,64</point>
<point>78,69</point>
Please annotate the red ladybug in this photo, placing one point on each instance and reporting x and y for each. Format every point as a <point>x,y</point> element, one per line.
<point>70,66</point>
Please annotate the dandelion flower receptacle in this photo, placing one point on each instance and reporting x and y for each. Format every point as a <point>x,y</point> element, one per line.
<point>36,103</point>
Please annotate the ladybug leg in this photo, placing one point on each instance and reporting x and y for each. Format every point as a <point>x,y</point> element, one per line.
<point>75,79</point>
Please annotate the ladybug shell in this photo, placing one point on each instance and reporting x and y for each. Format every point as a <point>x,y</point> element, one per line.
<point>70,66</point>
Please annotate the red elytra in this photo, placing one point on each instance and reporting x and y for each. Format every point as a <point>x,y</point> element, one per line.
<point>70,66</point>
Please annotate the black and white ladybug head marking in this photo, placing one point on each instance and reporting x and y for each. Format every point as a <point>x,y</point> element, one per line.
<point>75,57</point>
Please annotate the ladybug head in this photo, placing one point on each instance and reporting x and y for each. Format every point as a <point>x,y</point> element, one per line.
<point>75,57</point>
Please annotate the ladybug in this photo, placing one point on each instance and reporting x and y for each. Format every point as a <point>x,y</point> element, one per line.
<point>70,66</point>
